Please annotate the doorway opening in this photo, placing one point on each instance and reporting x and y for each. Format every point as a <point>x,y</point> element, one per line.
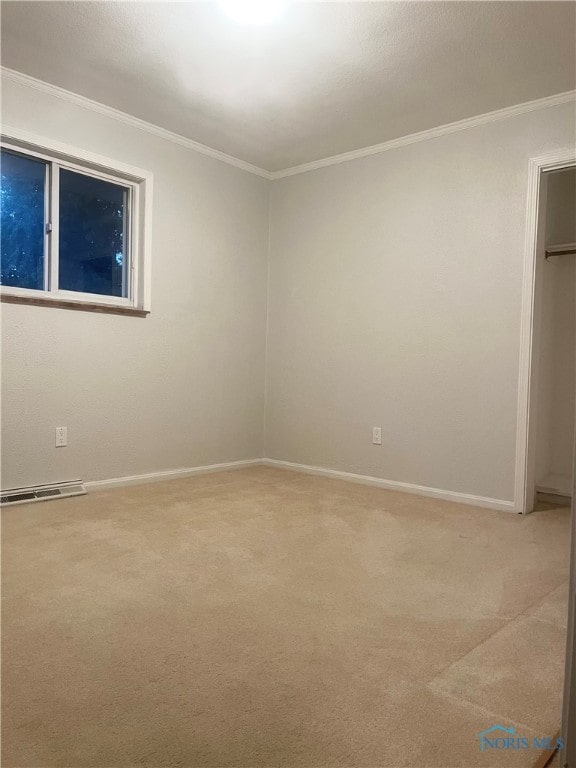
<point>548,358</point>
<point>556,385</point>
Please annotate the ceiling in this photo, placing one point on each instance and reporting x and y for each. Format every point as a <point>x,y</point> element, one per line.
<point>327,78</point>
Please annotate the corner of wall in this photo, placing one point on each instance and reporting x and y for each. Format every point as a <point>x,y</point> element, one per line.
<point>266,330</point>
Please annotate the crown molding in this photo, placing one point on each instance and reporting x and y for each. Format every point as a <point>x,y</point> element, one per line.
<point>375,149</point>
<point>81,101</point>
<point>432,133</point>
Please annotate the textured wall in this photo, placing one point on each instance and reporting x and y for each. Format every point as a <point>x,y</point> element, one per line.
<point>181,388</point>
<point>395,289</point>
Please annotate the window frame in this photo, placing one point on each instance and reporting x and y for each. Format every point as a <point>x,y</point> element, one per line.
<point>137,181</point>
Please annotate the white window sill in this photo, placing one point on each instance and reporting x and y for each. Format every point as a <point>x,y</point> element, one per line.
<point>81,305</point>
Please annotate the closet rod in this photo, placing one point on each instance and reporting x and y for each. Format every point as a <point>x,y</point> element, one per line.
<point>560,251</point>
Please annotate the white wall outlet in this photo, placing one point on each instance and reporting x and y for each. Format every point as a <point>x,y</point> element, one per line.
<point>377,435</point>
<point>61,437</point>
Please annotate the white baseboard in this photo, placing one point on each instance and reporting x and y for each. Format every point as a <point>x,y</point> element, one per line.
<point>394,485</point>
<point>169,474</point>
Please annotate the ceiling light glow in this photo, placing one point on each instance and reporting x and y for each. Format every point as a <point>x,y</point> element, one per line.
<point>253,11</point>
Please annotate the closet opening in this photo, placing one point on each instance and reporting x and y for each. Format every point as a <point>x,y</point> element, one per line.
<point>552,402</point>
<point>557,378</point>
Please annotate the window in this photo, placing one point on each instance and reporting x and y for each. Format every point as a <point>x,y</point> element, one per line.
<point>93,242</point>
<point>72,228</point>
<point>22,221</point>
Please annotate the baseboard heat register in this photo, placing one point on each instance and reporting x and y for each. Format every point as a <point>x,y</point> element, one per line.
<point>42,492</point>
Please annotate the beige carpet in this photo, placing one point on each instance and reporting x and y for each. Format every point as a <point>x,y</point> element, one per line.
<point>267,618</point>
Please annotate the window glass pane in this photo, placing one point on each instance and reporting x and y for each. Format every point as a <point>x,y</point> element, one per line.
<point>93,225</point>
<point>22,223</point>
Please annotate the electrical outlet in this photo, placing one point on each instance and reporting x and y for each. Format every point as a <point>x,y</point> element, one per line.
<point>377,435</point>
<point>61,437</point>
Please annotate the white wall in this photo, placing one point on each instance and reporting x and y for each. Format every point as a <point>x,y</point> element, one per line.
<point>557,369</point>
<point>395,288</point>
<point>394,300</point>
<point>183,387</point>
